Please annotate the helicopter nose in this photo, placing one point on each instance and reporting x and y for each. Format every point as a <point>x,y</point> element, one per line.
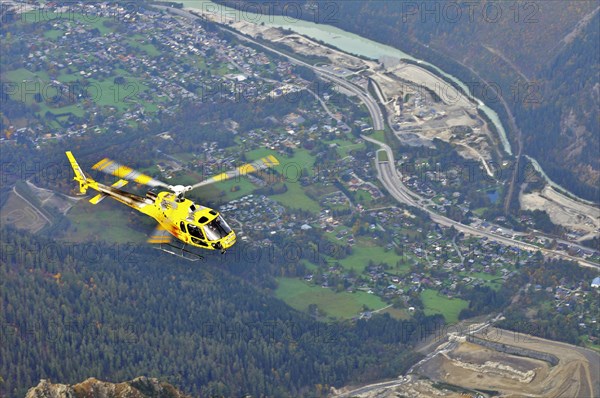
<point>230,240</point>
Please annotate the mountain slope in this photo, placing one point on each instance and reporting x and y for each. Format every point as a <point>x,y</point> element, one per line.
<point>69,311</point>
<point>541,57</point>
<point>564,127</point>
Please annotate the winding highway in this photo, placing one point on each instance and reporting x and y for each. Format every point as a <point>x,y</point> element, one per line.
<point>392,181</point>
<point>386,170</point>
<point>365,97</point>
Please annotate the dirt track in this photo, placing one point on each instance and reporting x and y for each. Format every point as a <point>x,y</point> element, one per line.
<point>458,364</point>
<point>563,210</point>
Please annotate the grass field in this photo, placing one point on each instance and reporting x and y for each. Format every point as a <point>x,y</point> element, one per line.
<point>479,211</point>
<point>261,153</point>
<point>103,92</point>
<point>364,251</point>
<point>396,313</point>
<point>121,96</point>
<point>296,198</point>
<point>74,109</point>
<point>378,135</point>
<point>213,192</point>
<point>588,343</point>
<point>142,43</point>
<point>291,168</point>
<point>210,193</point>
<point>319,190</point>
<point>363,196</point>
<point>299,295</point>
<point>493,281</point>
<point>53,34</point>
<point>91,21</point>
<point>438,304</point>
<point>66,77</point>
<point>301,164</point>
<point>347,146</point>
<point>18,75</point>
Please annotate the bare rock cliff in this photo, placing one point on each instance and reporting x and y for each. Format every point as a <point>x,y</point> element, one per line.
<point>140,387</point>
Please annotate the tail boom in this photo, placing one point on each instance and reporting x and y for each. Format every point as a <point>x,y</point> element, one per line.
<point>84,182</point>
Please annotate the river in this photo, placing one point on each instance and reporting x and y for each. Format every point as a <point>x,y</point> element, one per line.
<point>343,40</point>
<point>561,190</point>
<point>357,45</point>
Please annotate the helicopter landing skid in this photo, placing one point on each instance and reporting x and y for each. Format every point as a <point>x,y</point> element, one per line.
<point>181,252</point>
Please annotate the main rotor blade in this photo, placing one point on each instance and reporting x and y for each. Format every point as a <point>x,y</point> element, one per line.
<point>264,163</point>
<point>111,167</point>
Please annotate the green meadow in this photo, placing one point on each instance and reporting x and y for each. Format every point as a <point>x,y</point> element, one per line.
<point>436,303</point>
<point>299,295</point>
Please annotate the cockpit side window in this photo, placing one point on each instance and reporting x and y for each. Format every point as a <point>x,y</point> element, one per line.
<point>182,227</point>
<point>195,231</point>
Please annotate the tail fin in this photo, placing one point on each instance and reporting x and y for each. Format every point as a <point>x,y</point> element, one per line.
<point>79,175</point>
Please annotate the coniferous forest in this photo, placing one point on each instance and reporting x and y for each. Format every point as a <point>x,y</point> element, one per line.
<point>117,312</point>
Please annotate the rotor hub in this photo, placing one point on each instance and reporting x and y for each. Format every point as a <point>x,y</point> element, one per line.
<point>179,190</point>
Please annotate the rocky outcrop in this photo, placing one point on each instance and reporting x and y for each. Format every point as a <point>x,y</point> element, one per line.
<point>140,387</point>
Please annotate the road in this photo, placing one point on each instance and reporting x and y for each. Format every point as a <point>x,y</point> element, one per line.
<point>392,181</point>
<point>386,170</point>
<point>38,211</point>
<point>365,97</point>
<point>373,387</point>
<point>589,383</point>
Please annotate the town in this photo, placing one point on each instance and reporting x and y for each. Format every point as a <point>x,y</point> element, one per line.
<point>129,69</point>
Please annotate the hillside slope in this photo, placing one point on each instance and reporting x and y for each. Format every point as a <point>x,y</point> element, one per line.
<point>541,57</point>
<point>114,312</point>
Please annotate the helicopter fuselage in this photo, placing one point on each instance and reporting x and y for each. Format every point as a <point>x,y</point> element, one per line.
<point>191,223</point>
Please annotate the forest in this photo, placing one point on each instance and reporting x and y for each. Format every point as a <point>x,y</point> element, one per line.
<point>117,312</point>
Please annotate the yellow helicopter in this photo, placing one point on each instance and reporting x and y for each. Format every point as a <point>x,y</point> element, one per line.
<point>190,223</point>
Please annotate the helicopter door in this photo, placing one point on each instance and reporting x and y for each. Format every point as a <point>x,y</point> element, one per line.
<point>197,235</point>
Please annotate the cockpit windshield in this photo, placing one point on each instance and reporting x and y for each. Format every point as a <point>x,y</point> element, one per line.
<point>216,229</point>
